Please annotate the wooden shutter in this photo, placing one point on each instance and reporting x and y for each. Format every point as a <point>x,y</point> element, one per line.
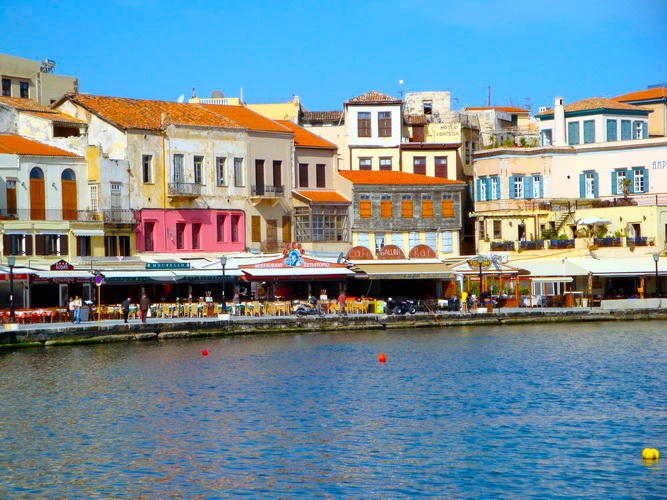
<point>287,228</point>
<point>320,175</point>
<point>614,182</point>
<point>448,208</point>
<point>427,208</point>
<point>406,208</point>
<point>11,200</point>
<point>6,244</point>
<point>256,229</point>
<point>272,230</point>
<point>28,244</point>
<point>69,199</point>
<point>303,175</point>
<point>365,211</point>
<point>277,173</point>
<point>39,244</point>
<point>37,200</point>
<point>386,209</point>
<point>64,244</point>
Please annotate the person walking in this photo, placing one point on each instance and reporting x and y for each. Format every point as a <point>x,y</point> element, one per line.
<point>341,303</point>
<point>78,304</point>
<point>144,305</point>
<point>70,307</point>
<point>464,301</point>
<point>125,306</point>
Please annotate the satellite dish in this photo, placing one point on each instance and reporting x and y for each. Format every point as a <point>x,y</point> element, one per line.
<point>181,98</point>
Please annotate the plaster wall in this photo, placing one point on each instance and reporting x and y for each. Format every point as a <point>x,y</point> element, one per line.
<point>375,154</point>
<point>414,102</point>
<point>374,140</point>
<point>408,157</point>
<point>338,135</point>
<point>312,157</point>
<point>9,119</point>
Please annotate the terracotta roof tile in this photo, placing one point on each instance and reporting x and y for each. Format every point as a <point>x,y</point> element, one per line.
<point>390,177</point>
<point>245,117</point>
<point>17,145</point>
<point>595,103</point>
<point>322,116</point>
<point>305,138</point>
<point>323,196</point>
<point>506,109</point>
<point>643,95</point>
<point>145,114</point>
<point>374,97</point>
<point>34,108</point>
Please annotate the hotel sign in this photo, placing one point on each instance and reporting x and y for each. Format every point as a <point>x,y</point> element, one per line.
<point>443,132</point>
<point>61,265</point>
<point>168,265</point>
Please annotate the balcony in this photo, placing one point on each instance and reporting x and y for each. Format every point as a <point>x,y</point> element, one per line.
<point>50,214</point>
<point>184,189</point>
<point>119,216</point>
<point>271,246</point>
<point>270,194</point>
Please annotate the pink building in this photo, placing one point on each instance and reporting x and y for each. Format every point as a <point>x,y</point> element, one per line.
<point>190,230</point>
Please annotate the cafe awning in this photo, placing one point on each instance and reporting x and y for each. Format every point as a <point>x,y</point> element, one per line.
<point>63,276</point>
<point>138,275</point>
<point>298,273</point>
<point>402,271</point>
<point>206,275</point>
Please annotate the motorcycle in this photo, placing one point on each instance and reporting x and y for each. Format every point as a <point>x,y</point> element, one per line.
<point>400,305</point>
<point>311,308</point>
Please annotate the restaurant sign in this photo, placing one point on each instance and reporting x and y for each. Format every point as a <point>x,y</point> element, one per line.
<point>390,252</point>
<point>293,260</point>
<point>422,252</point>
<point>61,265</point>
<point>359,253</point>
<point>168,265</point>
<point>479,262</point>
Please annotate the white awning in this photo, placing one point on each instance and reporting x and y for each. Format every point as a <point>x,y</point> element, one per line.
<point>88,232</point>
<point>206,274</point>
<point>299,272</point>
<point>554,279</point>
<point>141,275</point>
<point>64,274</point>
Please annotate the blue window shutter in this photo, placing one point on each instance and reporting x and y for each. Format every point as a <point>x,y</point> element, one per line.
<point>596,185</point>
<point>646,186</point>
<point>644,130</point>
<point>479,190</point>
<point>626,130</point>
<point>511,186</point>
<point>630,177</point>
<point>541,186</point>
<point>582,185</point>
<point>611,130</point>
<point>589,131</point>
<point>489,196</point>
<point>573,133</point>
<point>528,187</point>
<point>499,188</point>
<point>614,182</point>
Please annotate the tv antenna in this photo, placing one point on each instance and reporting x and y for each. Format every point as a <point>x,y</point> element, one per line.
<point>400,90</point>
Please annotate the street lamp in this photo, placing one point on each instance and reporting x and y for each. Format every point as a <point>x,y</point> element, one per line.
<point>656,258</point>
<point>223,261</point>
<point>11,261</point>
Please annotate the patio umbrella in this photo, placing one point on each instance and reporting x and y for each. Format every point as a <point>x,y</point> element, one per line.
<point>593,221</point>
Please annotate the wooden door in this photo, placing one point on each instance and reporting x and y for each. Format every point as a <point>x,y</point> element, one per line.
<point>287,228</point>
<point>272,230</point>
<point>69,199</point>
<point>11,197</point>
<point>37,200</point>
<point>259,177</point>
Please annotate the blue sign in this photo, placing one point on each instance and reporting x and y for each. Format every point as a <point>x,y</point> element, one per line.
<point>294,259</point>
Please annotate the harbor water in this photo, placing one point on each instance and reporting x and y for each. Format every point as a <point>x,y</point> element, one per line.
<point>472,412</point>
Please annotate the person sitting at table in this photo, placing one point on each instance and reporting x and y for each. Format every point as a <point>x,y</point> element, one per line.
<point>125,306</point>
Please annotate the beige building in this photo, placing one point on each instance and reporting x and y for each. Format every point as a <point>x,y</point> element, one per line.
<point>654,99</point>
<point>34,80</point>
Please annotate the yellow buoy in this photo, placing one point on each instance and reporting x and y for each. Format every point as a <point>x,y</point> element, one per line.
<point>650,454</point>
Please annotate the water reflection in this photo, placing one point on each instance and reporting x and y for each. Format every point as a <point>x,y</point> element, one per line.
<point>504,411</point>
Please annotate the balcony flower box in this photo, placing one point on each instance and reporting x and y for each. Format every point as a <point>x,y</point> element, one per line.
<point>502,246</point>
<point>607,242</point>
<point>531,245</point>
<point>561,244</point>
<point>639,241</point>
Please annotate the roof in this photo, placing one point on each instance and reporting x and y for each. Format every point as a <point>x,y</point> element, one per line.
<point>391,177</point>
<point>17,145</point>
<point>245,117</point>
<point>596,103</point>
<point>402,270</point>
<point>643,95</point>
<point>304,138</point>
<point>506,109</point>
<point>322,196</point>
<point>145,114</point>
<point>374,97</point>
<point>322,116</point>
<point>34,108</point>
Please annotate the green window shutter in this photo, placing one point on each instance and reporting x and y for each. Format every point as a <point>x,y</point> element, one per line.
<point>596,185</point>
<point>626,130</point>
<point>488,188</point>
<point>528,187</point>
<point>645,180</point>
<point>644,130</point>
<point>614,182</point>
<point>573,133</point>
<point>582,185</point>
<point>589,132</point>
<point>511,186</point>
<point>477,193</point>
<point>541,186</point>
<point>498,187</point>
<point>611,130</point>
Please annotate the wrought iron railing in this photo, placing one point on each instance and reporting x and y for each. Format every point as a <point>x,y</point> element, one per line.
<point>273,191</point>
<point>120,216</point>
<point>50,214</point>
<point>271,245</point>
<point>184,189</point>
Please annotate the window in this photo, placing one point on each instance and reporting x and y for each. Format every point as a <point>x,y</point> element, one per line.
<point>497,230</point>
<point>620,187</point>
<point>413,239</point>
<point>146,169</point>
<point>611,130</point>
<point>546,137</point>
<point>6,87</point>
<point>626,130</point>
<point>640,180</point>
<point>482,230</point>
<point>196,231</point>
<point>406,206</point>
<point>447,205</point>
<point>321,223</point>
<point>11,196</point>
<point>198,168</point>
<point>14,244</point>
<point>386,208</point>
<point>589,131</point>
<point>590,188</point>
<point>441,166</point>
<point>124,246</point>
<point>384,123</point>
<point>115,195</point>
<point>149,244</point>
<point>236,221</point>
<point>431,240</point>
<point>256,229</point>
<point>179,175</point>
<point>220,227</point>
<point>573,133</point>
<point>537,186</point>
<point>380,239</point>
<point>638,130</point>
<point>303,175</point>
<point>83,248</point>
<point>428,107</point>
<point>448,241</point>
<point>94,192</point>
<point>427,205</point>
<point>495,187</point>
<point>180,236</point>
<point>277,173</point>
<point>364,124</point>
<point>110,247</point>
<point>419,165</point>
<point>220,171</point>
<point>238,172</point>
<point>481,187</point>
<point>365,207</point>
<point>287,228</point>
<point>518,183</point>
<point>385,163</point>
<point>365,164</point>
<point>23,89</point>
<point>320,175</point>
<point>51,244</point>
<point>362,239</point>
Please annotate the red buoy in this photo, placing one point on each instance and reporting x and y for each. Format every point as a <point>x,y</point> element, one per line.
<point>204,352</point>
<point>382,358</point>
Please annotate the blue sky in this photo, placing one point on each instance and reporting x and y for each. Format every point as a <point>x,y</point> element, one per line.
<point>328,52</point>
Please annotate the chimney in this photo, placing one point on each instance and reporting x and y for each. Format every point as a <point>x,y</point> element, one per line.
<point>559,123</point>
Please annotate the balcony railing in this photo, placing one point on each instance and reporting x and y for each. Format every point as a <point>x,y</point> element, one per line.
<point>184,189</point>
<point>607,242</point>
<point>270,191</point>
<point>502,246</point>
<point>120,216</point>
<point>49,214</point>
<point>561,244</point>
<point>271,245</point>
<point>531,245</point>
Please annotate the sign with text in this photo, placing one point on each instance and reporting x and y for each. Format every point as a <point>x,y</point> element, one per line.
<point>422,252</point>
<point>168,265</point>
<point>359,253</point>
<point>293,260</point>
<point>390,252</point>
<point>61,265</point>
<point>443,132</point>
<point>479,262</point>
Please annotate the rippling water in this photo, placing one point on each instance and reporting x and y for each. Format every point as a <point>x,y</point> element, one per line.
<point>502,412</point>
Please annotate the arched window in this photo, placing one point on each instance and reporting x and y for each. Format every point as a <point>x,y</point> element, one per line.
<point>68,175</point>
<point>36,173</point>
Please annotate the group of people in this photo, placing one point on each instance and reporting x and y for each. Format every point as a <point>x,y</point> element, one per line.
<point>76,303</point>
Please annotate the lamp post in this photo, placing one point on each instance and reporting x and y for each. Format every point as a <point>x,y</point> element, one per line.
<point>11,261</point>
<point>656,258</point>
<point>223,262</point>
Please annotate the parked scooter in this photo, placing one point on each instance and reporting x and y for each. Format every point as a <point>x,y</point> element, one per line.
<point>311,308</point>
